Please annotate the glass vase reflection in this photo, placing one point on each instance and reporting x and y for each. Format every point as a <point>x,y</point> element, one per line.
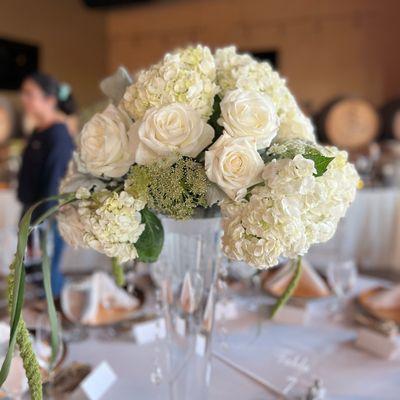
<point>186,275</point>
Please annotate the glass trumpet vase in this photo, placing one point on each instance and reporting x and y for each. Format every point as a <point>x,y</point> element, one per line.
<point>186,275</point>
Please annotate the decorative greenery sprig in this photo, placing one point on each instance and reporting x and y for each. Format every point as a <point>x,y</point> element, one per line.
<point>18,331</point>
<point>289,290</point>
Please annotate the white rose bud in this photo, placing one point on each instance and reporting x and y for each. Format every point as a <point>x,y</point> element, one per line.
<point>172,129</point>
<point>249,114</point>
<point>105,147</point>
<point>234,165</point>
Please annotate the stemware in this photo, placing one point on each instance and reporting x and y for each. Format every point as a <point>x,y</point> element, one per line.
<point>342,277</point>
<point>42,344</point>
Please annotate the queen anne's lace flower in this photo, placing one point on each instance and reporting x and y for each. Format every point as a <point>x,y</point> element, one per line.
<point>112,223</point>
<point>291,211</point>
<point>186,76</point>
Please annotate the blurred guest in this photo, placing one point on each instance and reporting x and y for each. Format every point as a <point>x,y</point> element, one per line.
<point>47,153</point>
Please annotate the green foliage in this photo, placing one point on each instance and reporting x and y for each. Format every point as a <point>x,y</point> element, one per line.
<point>321,162</point>
<point>213,121</point>
<point>151,241</point>
<point>173,188</point>
<point>292,148</point>
<point>16,283</point>
<point>51,309</point>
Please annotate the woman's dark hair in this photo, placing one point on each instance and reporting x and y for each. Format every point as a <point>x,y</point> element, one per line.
<point>61,91</point>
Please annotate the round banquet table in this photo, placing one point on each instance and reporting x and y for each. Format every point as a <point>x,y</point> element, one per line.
<point>347,372</point>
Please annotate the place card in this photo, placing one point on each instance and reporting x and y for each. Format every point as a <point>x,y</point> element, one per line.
<point>180,326</point>
<point>149,331</point>
<point>201,345</point>
<point>378,344</point>
<point>226,310</point>
<point>292,314</point>
<point>96,384</point>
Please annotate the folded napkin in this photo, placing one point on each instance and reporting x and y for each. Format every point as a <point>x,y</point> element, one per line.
<point>311,285</point>
<point>386,299</point>
<point>97,300</point>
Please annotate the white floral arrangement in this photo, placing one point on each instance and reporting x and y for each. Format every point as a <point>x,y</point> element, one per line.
<point>195,130</point>
<point>218,128</point>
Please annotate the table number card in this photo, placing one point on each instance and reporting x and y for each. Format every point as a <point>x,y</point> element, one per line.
<point>96,384</point>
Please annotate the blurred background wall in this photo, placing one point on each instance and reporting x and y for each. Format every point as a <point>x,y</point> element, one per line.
<point>326,48</point>
<point>71,40</point>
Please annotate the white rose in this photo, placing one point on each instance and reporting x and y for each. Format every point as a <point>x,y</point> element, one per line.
<point>165,131</point>
<point>71,227</point>
<point>234,165</point>
<point>249,113</point>
<point>105,147</point>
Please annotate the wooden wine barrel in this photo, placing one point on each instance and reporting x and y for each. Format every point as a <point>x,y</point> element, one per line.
<point>390,121</point>
<point>350,123</point>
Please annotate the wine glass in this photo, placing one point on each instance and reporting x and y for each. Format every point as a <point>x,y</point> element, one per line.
<point>342,277</point>
<point>16,384</point>
<point>42,343</point>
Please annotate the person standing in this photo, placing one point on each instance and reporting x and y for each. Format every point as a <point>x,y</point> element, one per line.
<point>47,154</point>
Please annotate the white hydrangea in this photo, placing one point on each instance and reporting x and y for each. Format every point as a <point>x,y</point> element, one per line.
<point>295,125</point>
<point>291,211</point>
<point>186,76</point>
<point>112,223</point>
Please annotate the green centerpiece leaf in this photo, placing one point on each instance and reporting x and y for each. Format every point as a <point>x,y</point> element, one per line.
<point>321,162</point>
<point>151,241</point>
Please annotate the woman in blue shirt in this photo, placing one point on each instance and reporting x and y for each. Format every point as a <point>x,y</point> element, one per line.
<point>46,156</point>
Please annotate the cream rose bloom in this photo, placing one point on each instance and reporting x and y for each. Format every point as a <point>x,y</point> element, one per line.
<point>169,130</point>
<point>105,147</point>
<point>234,165</point>
<point>71,227</point>
<point>251,114</point>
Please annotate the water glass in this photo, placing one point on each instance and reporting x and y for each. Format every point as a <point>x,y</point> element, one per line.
<point>342,278</point>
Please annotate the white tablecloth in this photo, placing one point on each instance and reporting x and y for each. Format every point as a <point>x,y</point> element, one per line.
<point>348,373</point>
<point>370,232</point>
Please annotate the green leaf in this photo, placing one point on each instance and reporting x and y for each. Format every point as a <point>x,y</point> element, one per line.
<point>321,162</point>
<point>288,291</point>
<point>213,121</point>
<point>51,309</point>
<point>151,241</point>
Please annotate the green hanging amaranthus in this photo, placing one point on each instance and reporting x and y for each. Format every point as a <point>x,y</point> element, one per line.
<point>19,333</point>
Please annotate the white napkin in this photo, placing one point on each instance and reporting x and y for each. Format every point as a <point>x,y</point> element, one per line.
<point>310,285</point>
<point>86,300</point>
